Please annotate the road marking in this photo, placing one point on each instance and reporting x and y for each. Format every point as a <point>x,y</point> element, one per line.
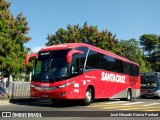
<point>130,107</point>
<point>145,108</point>
<point>152,110</point>
<point>133,103</point>
<point>127,105</point>
<point>120,103</point>
<point>152,104</point>
<point>109,105</point>
<point>118,107</point>
<point>116,102</point>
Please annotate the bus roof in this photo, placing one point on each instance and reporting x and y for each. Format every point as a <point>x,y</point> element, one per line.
<point>74,45</point>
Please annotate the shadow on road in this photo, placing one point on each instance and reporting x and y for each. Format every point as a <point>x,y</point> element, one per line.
<point>45,103</point>
<point>59,103</point>
<point>50,103</point>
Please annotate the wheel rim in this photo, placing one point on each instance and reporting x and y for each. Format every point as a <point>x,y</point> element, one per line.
<point>88,96</point>
<point>129,96</point>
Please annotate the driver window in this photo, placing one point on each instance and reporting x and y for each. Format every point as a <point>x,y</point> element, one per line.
<point>74,67</point>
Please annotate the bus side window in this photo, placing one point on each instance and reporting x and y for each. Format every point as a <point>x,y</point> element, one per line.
<point>158,79</point>
<point>121,66</point>
<point>74,67</point>
<point>113,64</point>
<point>77,65</point>
<point>93,60</point>
<point>105,65</point>
<point>134,70</point>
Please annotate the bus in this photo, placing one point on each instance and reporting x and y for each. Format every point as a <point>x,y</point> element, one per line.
<point>150,84</point>
<point>80,71</point>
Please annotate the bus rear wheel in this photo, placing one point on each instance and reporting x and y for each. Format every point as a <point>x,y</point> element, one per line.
<point>88,97</point>
<point>129,96</point>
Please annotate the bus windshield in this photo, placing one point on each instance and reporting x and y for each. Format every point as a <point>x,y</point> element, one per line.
<point>149,80</point>
<point>51,66</point>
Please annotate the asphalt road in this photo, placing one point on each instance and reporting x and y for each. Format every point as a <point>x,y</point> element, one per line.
<point>75,110</point>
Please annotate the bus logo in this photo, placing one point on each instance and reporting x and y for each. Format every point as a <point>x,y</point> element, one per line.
<point>113,77</point>
<point>44,85</point>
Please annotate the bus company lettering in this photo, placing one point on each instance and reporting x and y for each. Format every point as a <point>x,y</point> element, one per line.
<point>113,77</point>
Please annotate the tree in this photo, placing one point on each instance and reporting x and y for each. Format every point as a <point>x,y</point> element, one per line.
<point>150,42</point>
<point>151,47</point>
<point>12,38</point>
<point>131,50</point>
<point>103,39</point>
<point>87,34</point>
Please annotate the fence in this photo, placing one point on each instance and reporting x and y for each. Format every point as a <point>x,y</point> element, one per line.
<point>18,90</point>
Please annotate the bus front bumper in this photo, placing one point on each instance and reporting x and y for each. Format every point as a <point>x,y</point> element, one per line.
<point>56,94</point>
<point>150,94</point>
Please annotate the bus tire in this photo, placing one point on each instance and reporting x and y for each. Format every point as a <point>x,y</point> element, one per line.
<point>88,97</point>
<point>129,95</point>
<point>156,97</point>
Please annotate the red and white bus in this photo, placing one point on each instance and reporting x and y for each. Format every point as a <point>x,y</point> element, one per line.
<point>82,71</point>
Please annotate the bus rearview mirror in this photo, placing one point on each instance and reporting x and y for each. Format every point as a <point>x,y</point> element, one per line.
<point>71,53</point>
<point>29,57</point>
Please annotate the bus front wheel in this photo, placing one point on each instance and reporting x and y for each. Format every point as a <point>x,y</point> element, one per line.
<point>88,97</point>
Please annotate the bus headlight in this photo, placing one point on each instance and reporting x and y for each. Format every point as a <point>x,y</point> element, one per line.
<point>61,86</point>
<point>32,86</point>
<point>65,85</point>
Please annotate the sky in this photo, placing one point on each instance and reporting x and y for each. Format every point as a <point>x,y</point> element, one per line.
<point>125,18</point>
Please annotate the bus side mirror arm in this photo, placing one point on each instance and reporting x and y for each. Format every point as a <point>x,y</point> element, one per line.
<point>71,53</point>
<point>29,57</point>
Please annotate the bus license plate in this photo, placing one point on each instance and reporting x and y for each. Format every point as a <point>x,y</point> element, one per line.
<point>45,96</point>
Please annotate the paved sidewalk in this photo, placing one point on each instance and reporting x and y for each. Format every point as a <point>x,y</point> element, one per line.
<point>5,97</point>
<point>4,102</point>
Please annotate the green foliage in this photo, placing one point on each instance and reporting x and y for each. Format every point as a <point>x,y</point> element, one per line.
<point>103,39</point>
<point>20,77</point>
<point>12,37</point>
<point>14,30</point>
<point>76,34</point>
<point>131,50</point>
<point>151,47</point>
<point>150,42</point>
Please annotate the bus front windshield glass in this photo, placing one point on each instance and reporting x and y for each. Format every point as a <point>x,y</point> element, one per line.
<point>51,66</point>
<point>149,80</point>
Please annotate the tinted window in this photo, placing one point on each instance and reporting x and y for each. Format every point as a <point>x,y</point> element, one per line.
<point>51,66</point>
<point>105,62</point>
<point>81,57</point>
<point>78,61</point>
<point>97,60</point>
<point>108,63</point>
<point>159,80</point>
<point>93,60</point>
<point>121,66</point>
<point>113,64</point>
<point>84,49</point>
<point>134,70</point>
